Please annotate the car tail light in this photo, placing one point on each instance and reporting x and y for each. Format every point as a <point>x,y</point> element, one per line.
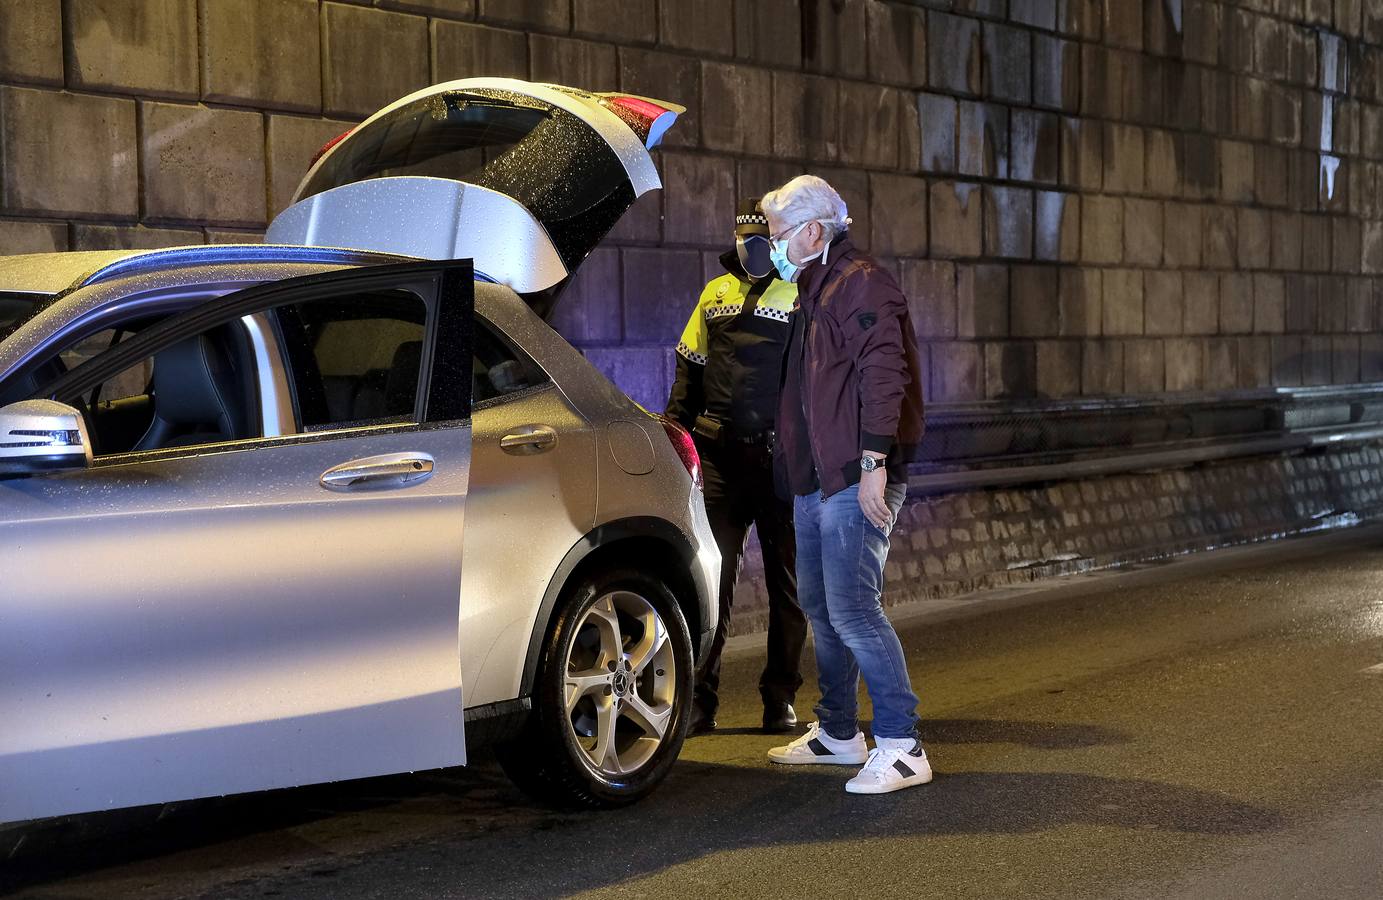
<point>686,450</point>
<point>650,119</point>
<point>328,145</point>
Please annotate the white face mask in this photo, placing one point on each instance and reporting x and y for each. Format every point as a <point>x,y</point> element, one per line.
<point>787,269</point>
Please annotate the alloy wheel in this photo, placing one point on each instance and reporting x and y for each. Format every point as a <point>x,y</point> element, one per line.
<point>620,686</point>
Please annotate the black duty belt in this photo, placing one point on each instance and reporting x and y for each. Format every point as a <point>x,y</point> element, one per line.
<point>719,432</point>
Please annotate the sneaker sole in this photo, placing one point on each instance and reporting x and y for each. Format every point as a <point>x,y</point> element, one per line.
<point>886,788</point>
<point>834,759</point>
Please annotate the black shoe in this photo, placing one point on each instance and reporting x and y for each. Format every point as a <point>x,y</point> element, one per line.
<point>702,722</point>
<point>779,718</point>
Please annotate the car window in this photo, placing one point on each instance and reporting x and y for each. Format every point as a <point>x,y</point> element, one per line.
<point>335,350</point>
<point>498,367</point>
<point>87,348</point>
<point>199,390</point>
<point>355,359</point>
<point>69,357</point>
<point>533,151</point>
<point>351,360</point>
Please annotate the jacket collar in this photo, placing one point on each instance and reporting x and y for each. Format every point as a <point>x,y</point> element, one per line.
<point>730,261</point>
<point>815,273</point>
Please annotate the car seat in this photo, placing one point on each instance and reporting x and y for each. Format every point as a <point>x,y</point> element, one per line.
<point>199,396</point>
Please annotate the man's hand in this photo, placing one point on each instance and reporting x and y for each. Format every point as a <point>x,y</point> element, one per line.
<point>872,496</point>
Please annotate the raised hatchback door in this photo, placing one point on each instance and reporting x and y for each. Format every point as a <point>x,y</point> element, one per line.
<point>524,178</point>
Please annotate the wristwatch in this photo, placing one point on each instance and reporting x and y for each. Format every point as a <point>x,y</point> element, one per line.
<point>869,463</point>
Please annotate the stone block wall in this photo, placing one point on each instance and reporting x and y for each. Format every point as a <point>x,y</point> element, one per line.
<point>1080,197</point>
<point>957,543</point>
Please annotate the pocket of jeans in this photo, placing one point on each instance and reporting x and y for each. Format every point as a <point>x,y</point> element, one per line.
<point>893,520</point>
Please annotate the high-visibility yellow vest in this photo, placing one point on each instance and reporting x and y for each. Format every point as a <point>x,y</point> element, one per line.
<point>724,297</point>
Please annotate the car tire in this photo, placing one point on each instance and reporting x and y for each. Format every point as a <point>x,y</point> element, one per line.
<point>611,695</point>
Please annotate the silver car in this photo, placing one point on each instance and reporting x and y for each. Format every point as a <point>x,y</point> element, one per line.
<point>286,514</point>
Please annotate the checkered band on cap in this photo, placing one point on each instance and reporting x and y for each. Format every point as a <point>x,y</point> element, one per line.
<point>749,218</point>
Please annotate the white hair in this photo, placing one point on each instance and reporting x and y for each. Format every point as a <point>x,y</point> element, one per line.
<point>808,198</point>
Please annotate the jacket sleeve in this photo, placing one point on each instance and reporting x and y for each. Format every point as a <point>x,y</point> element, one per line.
<point>875,329</point>
<point>687,399</point>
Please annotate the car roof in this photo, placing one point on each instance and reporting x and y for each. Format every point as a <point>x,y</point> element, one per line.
<point>56,273</point>
<point>52,273</point>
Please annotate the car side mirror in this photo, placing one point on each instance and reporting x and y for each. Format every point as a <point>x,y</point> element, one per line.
<point>42,436</point>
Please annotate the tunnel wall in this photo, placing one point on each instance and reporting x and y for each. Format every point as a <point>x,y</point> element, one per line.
<point>1080,197</point>
<point>953,544</point>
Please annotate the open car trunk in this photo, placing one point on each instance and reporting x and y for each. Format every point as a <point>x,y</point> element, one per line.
<point>526,179</point>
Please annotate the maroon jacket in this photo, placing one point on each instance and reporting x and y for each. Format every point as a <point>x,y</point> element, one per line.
<point>852,375</point>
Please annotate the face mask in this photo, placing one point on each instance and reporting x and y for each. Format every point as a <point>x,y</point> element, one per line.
<point>755,255</point>
<point>788,269</point>
<point>778,252</point>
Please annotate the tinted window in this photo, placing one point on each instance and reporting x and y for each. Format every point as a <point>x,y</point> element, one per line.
<point>98,343</point>
<point>449,136</point>
<point>355,359</point>
<point>199,390</point>
<point>499,367</point>
<point>38,377</point>
<point>541,155</point>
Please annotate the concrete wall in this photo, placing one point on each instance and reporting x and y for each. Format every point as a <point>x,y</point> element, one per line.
<point>1080,196</point>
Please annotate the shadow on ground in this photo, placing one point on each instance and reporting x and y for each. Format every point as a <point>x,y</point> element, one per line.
<point>1037,735</point>
<point>443,831</point>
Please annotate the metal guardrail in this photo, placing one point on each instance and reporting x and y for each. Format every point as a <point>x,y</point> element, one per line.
<point>1006,443</point>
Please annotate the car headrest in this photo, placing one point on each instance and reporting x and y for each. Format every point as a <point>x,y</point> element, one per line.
<point>195,384</point>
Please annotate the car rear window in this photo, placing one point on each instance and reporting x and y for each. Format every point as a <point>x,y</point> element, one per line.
<point>544,157</point>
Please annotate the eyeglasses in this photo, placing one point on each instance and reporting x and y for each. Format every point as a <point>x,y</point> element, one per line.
<point>790,231</point>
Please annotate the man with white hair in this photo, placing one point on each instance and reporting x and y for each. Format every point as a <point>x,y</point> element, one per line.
<point>849,420</point>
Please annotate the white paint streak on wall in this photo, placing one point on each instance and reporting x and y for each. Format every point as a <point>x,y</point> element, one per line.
<point>1330,58</point>
<point>963,191</point>
<point>1174,11</point>
<point>1049,217</point>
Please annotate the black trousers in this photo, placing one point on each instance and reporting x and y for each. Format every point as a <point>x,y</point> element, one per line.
<point>739,492</point>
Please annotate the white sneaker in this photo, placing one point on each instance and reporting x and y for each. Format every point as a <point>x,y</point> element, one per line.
<point>895,764</point>
<point>817,748</point>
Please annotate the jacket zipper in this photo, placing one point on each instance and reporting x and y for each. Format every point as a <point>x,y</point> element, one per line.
<point>806,407</point>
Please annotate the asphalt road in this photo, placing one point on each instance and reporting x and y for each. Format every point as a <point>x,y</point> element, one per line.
<point>1207,728</point>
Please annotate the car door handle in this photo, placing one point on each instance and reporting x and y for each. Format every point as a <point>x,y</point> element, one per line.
<point>393,470</point>
<point>529,439</point>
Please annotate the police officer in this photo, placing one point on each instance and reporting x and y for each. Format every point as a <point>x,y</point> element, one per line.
<point>726,393</point>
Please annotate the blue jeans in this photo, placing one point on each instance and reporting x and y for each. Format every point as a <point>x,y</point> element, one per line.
<point>840,574</point>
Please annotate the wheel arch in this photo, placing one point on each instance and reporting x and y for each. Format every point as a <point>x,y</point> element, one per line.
<point>653,545</point>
